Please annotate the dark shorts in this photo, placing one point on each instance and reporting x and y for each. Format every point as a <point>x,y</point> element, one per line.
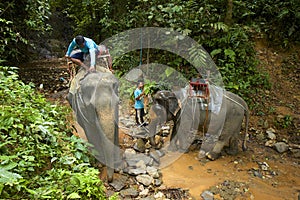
<point>78,55</point>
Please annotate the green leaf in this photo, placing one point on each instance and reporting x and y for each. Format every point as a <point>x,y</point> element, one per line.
<point>215,52</point>
<point>230,53</point>
<point>69,160</point>
<point>73,195</point>
<point>9,166</point>
<point>8,177</point>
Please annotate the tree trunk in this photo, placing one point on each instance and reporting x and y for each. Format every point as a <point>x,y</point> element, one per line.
<point>228,18</point>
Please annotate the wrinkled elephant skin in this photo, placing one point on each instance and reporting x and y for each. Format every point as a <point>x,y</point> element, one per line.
<point>190,117</point>
<point>94,99</point>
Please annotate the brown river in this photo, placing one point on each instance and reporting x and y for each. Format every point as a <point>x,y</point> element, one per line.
<point>196,176</point>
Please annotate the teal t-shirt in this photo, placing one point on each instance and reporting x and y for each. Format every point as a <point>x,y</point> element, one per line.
<point>89,47</point>
<point>138,103</point>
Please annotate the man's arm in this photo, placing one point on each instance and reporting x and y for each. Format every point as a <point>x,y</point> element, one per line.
<point>139,95</point>
<point>93,56</point>
<point>70,48</point>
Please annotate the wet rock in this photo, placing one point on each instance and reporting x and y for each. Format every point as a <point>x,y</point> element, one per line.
<point>133,160</point>
<point>270,143</point>
<point>157,182</point>
<point>127,123</point>
<point>159,195</point>
<point>140,145</point>
<point>129,192</point>
<point>257,173</point>
<point>140,132</point>
<point>165,130</point>
<point>141,165</point>
<point>119,183</point>
<point>135,171</point>
<point>271,134</point>
<point>144,192</point>
<point>207,195</point>
<point>296,153</point>
<point>152,171</point>
<point>160,153</point>
<point>145,179</point>
<point>148,145</point>
<point>157,139</point>
<point>148,198</point>
<point>281,147</point>
<point>264,166</point>
<point>129,153</point>
<point>155,156</point>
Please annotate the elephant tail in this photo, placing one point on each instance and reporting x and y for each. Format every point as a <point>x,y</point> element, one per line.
<point>246,109</point>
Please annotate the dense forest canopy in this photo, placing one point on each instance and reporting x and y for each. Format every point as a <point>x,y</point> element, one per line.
<point>224,28</point>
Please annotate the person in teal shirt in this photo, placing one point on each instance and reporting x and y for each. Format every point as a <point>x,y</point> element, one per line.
<point>85,46</point>
<point>139,104</point>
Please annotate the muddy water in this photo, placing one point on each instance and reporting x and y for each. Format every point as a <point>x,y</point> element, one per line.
<point>189,173</point>
<point>185,171</point>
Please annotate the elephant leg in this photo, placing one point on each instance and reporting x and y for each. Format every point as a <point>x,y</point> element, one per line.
<point>186,139</point>
<point>110,174</point>
<point>152,131</point>
<point>229,136</point>
<point>214,131</point>
<point>221,141</point>
<point>215,153</point>
<point>174,137</point>
<point>185,133</point>
<point>233,146</point>
<point>233,140</point>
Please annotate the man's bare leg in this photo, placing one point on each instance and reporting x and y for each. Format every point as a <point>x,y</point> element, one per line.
<point>78,62</point>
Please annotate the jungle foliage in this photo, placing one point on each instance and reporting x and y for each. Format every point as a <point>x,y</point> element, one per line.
<point>39,157</point>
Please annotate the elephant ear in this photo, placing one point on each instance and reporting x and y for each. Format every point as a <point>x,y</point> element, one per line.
<point>174,105</point>
<point>168,100</point>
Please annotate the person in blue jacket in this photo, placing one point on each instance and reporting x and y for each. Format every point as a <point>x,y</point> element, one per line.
<point>139,104</point>
<point>86,46</point>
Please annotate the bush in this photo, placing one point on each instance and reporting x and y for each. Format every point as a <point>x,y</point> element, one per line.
<point>38,158</point>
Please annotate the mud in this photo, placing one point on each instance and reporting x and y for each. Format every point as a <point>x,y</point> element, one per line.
<point>198,176</point>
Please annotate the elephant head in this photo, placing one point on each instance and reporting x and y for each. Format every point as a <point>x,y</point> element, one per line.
<point>165,108</point>
<point>94,99</point>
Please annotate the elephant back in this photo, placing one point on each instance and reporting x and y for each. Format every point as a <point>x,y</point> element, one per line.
<point>236,99</point>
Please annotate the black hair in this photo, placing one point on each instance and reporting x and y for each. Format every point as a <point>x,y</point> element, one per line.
<point>140,81</point>
<point>79,40</point>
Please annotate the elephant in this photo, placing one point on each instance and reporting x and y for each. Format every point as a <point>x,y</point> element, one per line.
<point>220,118</point>
<point>94,99</point>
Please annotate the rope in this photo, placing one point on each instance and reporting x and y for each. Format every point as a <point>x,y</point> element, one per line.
<point>234,101</point>
<point>141,51</point>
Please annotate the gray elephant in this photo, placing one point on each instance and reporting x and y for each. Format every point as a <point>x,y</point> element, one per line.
<point>220,117</point>
<point>94,98</point>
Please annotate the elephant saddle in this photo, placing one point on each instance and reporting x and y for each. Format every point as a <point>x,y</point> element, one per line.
<point>199,88</point>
